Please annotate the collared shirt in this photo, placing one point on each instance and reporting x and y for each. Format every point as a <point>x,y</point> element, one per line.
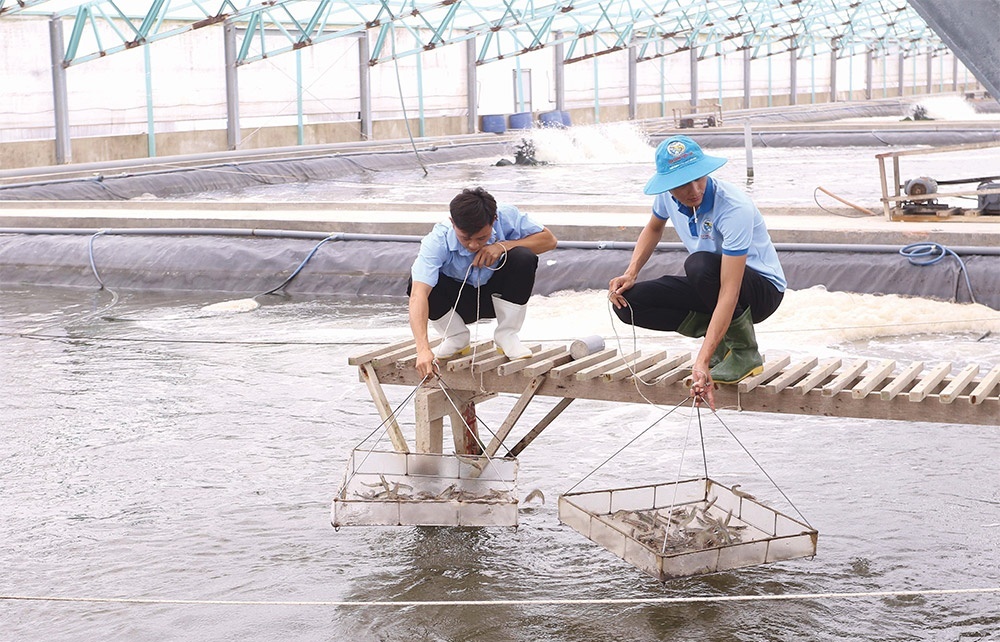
<point>441,253</point>
<point>726,222</point>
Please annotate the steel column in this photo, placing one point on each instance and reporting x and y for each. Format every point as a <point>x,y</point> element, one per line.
<point>471,85</point>
<point>64,151</point>
<point>232,87</point>
<point>833,71</point>
<point>746,78</point>
<point>869,73</point>
<point>558,64</point>
<point>633,90</point>
<point>694,77</point>
<point>364,71</point>
<point>150,121</point>
<point>794,75</point>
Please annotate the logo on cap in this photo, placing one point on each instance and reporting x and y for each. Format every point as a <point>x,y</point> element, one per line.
<point>676,148</point>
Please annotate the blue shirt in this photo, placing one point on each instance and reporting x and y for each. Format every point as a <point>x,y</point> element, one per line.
<point>441,253</point>
<point>727,222</point>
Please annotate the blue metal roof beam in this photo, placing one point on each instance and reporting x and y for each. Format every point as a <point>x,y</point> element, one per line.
<point>135,33</point>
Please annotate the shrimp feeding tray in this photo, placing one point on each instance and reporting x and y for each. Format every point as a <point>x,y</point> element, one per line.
<point>421,489</point>
<point>691,527</point>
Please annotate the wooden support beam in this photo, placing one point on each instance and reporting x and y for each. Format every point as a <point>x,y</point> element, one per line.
<point>958,384</point>
<point>540,426</point>
<point>515,414</point>
<point>384,409</point>
<point>429,422</point>
<point>986,386</point>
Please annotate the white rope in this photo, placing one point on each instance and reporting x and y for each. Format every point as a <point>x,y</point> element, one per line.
<point>697,599</point>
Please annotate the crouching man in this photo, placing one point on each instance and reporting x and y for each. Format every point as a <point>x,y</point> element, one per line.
<point>479,265</point>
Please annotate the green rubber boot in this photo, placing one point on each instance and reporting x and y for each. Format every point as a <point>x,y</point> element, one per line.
<point>695,324</point>
<point>743,359</point>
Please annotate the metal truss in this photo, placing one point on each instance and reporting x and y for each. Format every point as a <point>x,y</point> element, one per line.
<point>507,28</point>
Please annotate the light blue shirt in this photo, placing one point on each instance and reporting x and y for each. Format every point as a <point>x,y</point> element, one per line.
<point>727,222</point>
<point>441,253</point>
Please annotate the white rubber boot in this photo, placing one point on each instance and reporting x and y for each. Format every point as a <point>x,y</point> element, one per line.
<point>510,318</point>
<point>455,333</point>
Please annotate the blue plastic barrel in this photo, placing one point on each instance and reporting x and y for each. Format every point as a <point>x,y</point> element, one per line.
<point>566,120</point>
<point>521,120</point>
<point>550,119</point>
<point>494,124</point>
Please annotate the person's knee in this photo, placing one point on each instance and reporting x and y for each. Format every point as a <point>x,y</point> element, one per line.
<point>702,263</point>
<point>626,313</point>
<point>521,258</point>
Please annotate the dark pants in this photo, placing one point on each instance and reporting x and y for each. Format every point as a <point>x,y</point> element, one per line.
<point>514,282</point>
<point>661,304</point>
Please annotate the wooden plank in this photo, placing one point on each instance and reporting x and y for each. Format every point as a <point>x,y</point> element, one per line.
<point>577,365</point>
<point>491,361</point>
<point>812,403</point>
<point>629,368</point>
<point>367,356</point>
<point>901,380</point>
<point>476,353</point>
<point>539,427</point>
<point>958,384</point>
<point>514,415</point>
<point>516,366</point>
<point>846,377</point>
<point>649,375</point>
<point>873,378</point>
<point>429,423</point>
<point>985,386</point>
<point>790,376</point>
<point>925,385</point>
<point>816,377</point>
<point>675,375</point>
<point>383,407</point>
<point>770,369</point>
<point>401,353</point>
<point>596,370</point>
<point>547,364</point>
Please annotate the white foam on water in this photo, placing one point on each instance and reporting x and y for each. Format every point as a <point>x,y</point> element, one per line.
<point>592,144</point>
<point>807,320</point>
<point>238,305</point>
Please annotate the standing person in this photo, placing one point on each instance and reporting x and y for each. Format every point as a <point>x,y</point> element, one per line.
<point>732,277</point>
<point>479,265</point>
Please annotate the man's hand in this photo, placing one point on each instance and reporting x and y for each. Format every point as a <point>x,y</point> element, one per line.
<point>702,387</point>
<point>618,286</point>
<point>489,254</point>
<point>425,362</point>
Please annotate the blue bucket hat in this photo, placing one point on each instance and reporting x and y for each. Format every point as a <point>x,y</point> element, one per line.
<point>679,160</point>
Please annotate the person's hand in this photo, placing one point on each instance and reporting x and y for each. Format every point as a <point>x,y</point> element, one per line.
<point>702,387</point>
<point>425,362</point>
<point>489,254</point>
<point>618,286</point>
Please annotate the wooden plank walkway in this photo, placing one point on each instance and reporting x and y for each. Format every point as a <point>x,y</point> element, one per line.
<point>863,388</point>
